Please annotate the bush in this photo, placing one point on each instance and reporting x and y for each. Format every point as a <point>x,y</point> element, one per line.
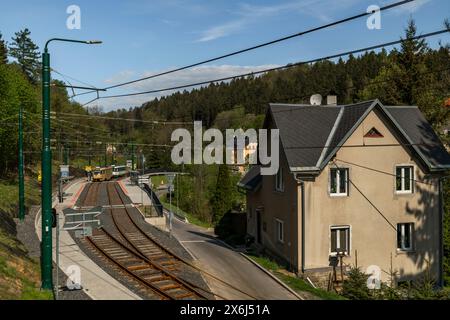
<point>355,286</point>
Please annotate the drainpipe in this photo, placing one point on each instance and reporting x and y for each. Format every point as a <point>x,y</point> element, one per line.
<point>441,231</point>
<point>302,196</point>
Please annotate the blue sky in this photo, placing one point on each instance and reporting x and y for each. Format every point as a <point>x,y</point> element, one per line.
<point>142,37</point>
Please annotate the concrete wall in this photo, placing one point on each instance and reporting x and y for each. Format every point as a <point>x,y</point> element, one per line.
<point>371,235</point>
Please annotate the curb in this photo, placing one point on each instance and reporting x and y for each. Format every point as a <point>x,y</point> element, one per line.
<point>272,276</point>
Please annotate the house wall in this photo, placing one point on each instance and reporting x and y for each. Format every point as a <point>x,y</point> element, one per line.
<point>276,205</point>
<point>372,237</point>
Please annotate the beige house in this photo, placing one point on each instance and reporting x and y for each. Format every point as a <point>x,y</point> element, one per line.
<point>362,180</point>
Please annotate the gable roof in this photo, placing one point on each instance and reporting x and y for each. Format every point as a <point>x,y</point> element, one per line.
<point>420,135</point>
<point>311,135</point>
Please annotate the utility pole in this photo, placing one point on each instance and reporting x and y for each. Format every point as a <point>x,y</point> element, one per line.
<point>46,201</point>
<point>132,156</point>
<point>106,155</point>
<point>46,244</point>
<point>90,153</point>
<point>21,168</point>
<point>66,156</point>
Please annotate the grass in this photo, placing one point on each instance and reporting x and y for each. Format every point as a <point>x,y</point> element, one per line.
<point>192,219</point>
<point>156,180</point>
<point>295,283</point>
<point>19,274</point>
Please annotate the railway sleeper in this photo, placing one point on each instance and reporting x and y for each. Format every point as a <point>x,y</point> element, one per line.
<point>139,267</point>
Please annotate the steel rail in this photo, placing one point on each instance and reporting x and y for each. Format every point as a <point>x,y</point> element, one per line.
<point>131,242</point>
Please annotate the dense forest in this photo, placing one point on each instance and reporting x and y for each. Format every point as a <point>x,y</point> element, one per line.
<point>412,74</point>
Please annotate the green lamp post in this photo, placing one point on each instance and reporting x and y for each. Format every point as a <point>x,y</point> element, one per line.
<point>46,203</point>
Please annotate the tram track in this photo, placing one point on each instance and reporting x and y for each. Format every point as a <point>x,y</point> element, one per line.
<point>138,256</point>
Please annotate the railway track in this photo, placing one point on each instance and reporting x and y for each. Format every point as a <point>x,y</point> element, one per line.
<point>91,195</point>
<point>141,258</point>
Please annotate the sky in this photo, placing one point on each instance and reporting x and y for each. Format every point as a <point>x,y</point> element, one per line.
<point>143,37</point>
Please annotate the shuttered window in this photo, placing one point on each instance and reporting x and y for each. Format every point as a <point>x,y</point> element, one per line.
<point>340,240</point>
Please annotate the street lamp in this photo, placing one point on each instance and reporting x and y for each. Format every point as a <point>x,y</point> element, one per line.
<point>46,212</point>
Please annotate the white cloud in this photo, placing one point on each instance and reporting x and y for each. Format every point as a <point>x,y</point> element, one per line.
<point>249,14</point>
<point>193,75</point>
<point>120,77</point>
<point>411,7</point>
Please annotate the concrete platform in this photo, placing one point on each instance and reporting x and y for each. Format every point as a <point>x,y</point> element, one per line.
<point>96,283</point>
<point>134,192</point>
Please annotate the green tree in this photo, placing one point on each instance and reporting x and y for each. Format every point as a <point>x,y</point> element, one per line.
<point>222,201</point>
<point>3,51</point>
<point>15,91</point>
<point>412,63</point>
<point>355,286</point>
<point>27,54</point>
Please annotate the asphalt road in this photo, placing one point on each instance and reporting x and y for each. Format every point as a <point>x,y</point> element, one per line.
<point>228,265</point>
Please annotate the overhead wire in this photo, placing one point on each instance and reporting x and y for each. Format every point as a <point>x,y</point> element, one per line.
<point>302,33</point>
<point>287,66</point>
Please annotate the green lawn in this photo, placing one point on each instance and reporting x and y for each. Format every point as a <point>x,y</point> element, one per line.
<point>190,217</point>
<point>297,284</point>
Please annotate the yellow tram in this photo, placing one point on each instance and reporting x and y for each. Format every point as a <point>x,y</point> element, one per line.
<point>102,174</point>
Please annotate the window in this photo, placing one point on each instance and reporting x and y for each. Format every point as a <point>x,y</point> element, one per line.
<point>338,182</point>
<point>340,240</point>
<point>279,183</point>
<point>405,236</point>
<point>373,133</point>
<point>280,230</point>
<point>404,176</point>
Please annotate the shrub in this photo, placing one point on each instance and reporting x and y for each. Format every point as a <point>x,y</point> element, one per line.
<point>355,286</point>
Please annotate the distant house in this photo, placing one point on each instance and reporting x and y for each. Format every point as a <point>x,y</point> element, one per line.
<point>249,149</point>
<point>360,180</point>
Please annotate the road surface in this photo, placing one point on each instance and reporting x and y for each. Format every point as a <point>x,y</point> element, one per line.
<point>230,266</point>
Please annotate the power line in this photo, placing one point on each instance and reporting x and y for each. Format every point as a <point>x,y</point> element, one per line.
<point>124,119</point>
<point>291,65</point>
<point>380,171</point>
<point>302,33</point>
<point>66,76</point>
<point>115,143</point>
<point>368,200</point>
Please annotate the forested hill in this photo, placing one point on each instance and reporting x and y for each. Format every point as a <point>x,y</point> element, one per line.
<point>412,75</point>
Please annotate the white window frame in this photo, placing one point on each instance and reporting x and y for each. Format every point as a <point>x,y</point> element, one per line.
<point>279,181</point>
<point>338,181</point>
<point>349,228</point>
<point>402,177</point>
<point>402,227</point>
<point>280,235</point>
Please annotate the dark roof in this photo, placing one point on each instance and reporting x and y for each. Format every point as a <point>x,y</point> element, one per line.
<point>252,179</point>
<point>304,131</point>
<point>311,135</point>
<point>421,135</point>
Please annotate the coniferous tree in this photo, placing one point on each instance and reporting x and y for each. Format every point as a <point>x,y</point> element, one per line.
<point>221,201</point>
<point>411,62</point>
<point>3,51</point>
<point>27,54</point>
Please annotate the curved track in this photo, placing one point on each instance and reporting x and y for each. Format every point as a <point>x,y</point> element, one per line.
<point>141,258</point>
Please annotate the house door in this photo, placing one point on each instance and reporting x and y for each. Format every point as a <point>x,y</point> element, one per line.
<point>258,226</point>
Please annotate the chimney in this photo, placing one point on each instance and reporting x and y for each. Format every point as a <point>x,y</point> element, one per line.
<point>331,100</point>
